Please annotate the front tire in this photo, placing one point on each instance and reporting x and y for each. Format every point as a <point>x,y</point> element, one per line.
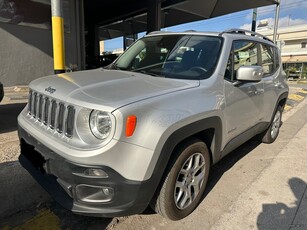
<point>185,181</point>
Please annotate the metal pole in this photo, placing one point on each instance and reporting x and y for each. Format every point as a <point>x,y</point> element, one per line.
<point>80,34</point>
<point>125,42</point>
<point>276,21</point>
<point>254,20</point>
<point>58,36</point>
<point>153,15</point>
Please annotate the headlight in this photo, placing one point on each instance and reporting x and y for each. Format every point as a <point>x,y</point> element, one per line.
<point>100,124</point>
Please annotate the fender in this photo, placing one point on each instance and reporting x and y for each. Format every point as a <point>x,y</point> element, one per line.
<point>281,97</point>
<point>180,135</point>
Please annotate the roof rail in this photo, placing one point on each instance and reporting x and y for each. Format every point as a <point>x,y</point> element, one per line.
<point>157,32</point>
<point>246,32</point>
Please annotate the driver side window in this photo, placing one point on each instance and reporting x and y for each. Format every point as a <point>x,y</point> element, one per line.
<point>243,53</point>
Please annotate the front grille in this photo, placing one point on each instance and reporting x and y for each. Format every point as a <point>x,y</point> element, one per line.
<point>52,113</point>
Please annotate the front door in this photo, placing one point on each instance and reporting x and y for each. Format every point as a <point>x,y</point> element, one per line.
<point>244,100</point>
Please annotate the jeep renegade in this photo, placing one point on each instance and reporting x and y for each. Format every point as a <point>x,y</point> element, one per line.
<point>146,129</point>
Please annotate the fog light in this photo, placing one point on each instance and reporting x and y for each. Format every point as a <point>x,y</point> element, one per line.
<point>95,173</point>
<point>94,194</point>
<point>106,191</point>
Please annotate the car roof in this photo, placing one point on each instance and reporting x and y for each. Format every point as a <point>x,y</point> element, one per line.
<point>232,33</point>
<point>189,32</point>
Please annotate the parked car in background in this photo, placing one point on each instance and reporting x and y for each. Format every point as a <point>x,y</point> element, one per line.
<point>147,129</point>
<point>1,92</point>
<point>293,75</point>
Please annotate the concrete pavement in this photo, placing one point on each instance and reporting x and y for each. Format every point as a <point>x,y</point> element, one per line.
<point>277,199</point>
<point>18,191</point>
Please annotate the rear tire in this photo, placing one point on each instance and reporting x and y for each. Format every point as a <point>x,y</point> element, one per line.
<point>185,181</point>
<point>270,135</point>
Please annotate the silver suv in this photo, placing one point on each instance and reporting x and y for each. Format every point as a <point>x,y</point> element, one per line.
<point>146,129</point>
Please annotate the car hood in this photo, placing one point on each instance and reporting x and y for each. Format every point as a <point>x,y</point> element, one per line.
<point>107,89</point>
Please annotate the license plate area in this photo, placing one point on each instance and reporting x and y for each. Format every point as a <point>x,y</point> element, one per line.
<point>33,156</point>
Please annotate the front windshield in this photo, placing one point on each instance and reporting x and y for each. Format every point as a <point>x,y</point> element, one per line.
<point>172,56</point>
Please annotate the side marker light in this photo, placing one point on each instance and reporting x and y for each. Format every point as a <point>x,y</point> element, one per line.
<point>130,125</point>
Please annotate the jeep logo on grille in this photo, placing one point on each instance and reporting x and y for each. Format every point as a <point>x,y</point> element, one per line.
<point>50,90</point>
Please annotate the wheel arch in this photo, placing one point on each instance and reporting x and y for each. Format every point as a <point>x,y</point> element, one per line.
<point>209,130</point>
<point>282,100</point>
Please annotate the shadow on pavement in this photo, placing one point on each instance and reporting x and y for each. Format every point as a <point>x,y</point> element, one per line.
<point>73,221</point>
<point>228,162</point>
<point>8,116</point>
<point>25,205</point>
<point>18,190</point>
<point>280,216</point>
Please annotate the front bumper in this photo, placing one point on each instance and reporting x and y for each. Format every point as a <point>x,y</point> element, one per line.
<point>60,177</point>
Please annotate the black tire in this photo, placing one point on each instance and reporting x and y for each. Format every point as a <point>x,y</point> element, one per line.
<point>191,153</point>
<point>270,135</point>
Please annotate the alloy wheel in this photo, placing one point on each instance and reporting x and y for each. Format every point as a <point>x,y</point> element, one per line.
<point>189,180</point>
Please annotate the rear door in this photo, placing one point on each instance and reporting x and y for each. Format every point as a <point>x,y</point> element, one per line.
<point>271,80</point>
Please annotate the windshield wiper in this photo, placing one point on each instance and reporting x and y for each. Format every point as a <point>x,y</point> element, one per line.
<point>115,66</point>
<point>149,73</point>
<point>112,66</point>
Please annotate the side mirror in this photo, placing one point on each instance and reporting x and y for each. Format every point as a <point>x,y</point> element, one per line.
<point>250,73</point>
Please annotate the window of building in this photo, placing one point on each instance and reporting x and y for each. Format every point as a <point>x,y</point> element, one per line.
<point>304,44</point>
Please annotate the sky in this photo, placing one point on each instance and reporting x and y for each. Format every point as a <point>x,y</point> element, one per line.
<point>292,12</point>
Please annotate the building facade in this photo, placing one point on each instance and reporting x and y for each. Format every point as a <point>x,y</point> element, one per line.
<point>293,44</point>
